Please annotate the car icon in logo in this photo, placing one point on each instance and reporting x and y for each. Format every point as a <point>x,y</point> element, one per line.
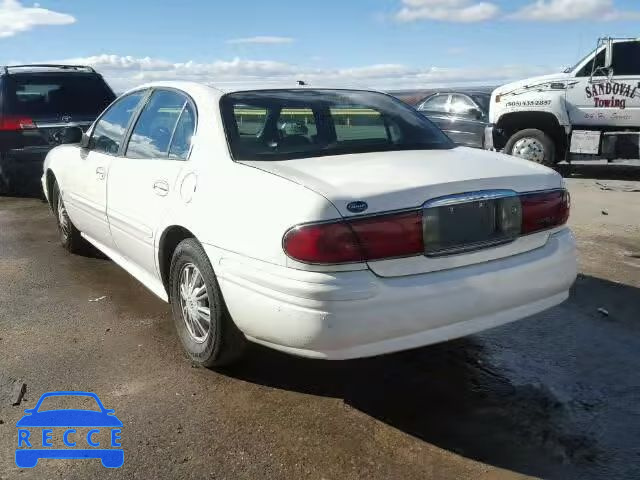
<point>79,433</point>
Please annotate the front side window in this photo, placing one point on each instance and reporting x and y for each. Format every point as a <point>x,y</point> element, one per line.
<point>437,103</point>
<point>461,104</point>
<point>152,134</point>
<point>290,124</point>
<point>110,129</point>
<point>626,58</point>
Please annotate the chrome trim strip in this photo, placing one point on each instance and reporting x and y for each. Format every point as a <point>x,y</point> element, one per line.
<point>62,125</point>
<point>469,197</point>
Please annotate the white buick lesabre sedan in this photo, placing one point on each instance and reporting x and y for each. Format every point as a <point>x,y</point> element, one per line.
<point>329,224</point>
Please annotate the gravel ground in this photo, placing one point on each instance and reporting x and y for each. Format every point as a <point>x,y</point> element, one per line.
<point>553,396</point>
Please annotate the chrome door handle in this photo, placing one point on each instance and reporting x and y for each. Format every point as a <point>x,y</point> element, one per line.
<point>161,187</point>
<point>101,173</point>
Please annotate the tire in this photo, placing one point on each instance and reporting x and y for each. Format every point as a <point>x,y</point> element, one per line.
<point>533,145</point>
<point>218,343</point>
<point>70,236</point>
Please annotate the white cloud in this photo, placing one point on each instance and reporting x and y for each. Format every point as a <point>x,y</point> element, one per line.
<point>15,18</point>
<point>567,10</point>
<point>463,11</point>
<point>123,72</point>
<point>261,40</point>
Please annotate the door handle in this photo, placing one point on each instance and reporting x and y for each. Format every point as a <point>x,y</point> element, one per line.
<point>101,173</point>
<point>161,188</point>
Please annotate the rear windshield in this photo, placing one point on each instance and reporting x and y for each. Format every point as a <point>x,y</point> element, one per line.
<point>55,95</point>
<point>290,124</point>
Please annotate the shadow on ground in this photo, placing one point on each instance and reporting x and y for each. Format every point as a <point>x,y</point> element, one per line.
<point>452,396</point>
<point>612,171</point>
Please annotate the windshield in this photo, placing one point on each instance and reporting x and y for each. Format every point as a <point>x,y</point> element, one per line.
<point>571,69</point>
<point>54,95</point>
<point>290,124</point>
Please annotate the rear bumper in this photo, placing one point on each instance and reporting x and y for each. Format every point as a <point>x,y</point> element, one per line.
<point>20,170</point>
<point>357,314</point>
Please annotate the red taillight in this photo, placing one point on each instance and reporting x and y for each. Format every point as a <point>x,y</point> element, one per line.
<point>12,123</point>
<point>544,210</point>
<point>401,234</point>
<point>357,240</point>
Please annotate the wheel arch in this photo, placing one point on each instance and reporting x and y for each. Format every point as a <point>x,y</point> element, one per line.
<point>511,123</point>
<point>169,240</point>
<point>50,179</point>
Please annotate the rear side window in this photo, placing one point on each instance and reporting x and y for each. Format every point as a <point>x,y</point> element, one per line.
<point>55,95</point>
<point>181,143</point>
<point>155,127</point>
<point>109,131</point>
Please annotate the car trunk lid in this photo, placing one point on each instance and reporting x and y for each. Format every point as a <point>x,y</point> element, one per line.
<point>468,199</point>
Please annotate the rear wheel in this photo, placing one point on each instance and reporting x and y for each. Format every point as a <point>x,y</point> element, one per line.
<point>70,236</point>
<point>202,321</point>
<point>533,145</point>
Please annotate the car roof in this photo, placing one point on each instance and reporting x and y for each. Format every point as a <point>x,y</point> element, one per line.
<point>45,68</point>
<point>193,88</point>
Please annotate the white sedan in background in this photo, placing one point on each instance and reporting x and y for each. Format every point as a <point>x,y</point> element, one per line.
<point>330,224</point>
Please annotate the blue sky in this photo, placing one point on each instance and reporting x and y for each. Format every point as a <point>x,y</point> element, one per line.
<point>374,43</point>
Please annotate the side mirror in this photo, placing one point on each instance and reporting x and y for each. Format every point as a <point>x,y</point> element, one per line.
<point>476,113</point>
<point>85,141</point>
<point>70,135</point>
<point>608,59</point>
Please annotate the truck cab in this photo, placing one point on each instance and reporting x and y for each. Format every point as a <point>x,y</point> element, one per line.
<point>589,111</point>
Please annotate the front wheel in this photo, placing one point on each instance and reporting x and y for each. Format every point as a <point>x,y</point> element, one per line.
<point>533,145</point>
<point>70,236</point>
<point>202,321</point>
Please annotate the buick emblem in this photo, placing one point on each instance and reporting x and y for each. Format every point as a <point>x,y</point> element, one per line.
<point>357,207</point>
<point>66,118</point>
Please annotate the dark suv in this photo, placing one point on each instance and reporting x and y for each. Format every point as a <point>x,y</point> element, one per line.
<point>37,102</point>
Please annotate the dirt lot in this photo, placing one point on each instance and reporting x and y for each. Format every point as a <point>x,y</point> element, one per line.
<point>555,396</point>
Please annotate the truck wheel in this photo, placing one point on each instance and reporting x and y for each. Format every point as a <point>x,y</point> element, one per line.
<point>533,145</point>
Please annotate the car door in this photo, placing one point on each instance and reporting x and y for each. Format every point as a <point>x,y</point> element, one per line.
<point>85,189</point>
<point>436,109</point>
<point>467,122</point>
<point>144,184</point>
<point>597,99</point>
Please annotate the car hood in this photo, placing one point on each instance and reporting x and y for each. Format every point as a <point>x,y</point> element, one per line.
<point>69,418</point>
<point>406,179</point>
<point>532,83</point>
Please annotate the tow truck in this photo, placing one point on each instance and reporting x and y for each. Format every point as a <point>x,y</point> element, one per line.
<point>590,111</point>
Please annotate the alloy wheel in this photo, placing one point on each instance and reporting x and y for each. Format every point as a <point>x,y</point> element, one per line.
<point>194,303</point>
<point>63,218</point>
